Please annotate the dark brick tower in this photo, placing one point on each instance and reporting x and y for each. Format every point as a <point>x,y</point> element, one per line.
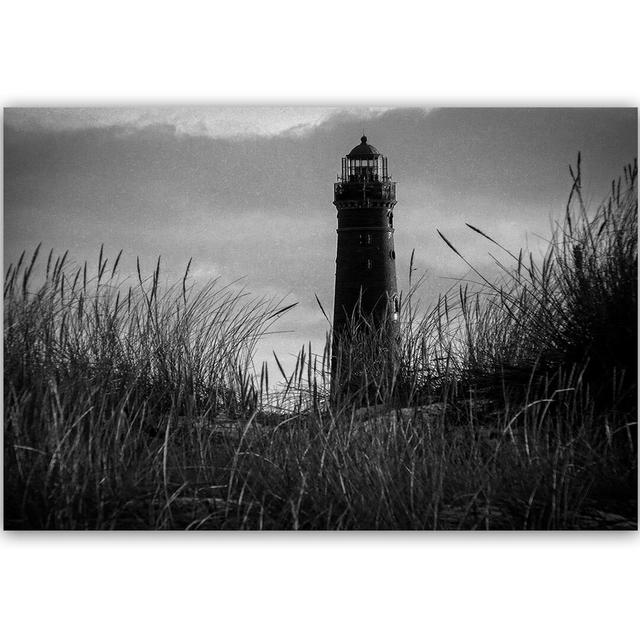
<point>366,287</point>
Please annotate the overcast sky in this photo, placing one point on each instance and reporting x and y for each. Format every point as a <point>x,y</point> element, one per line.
<point>247,191</point>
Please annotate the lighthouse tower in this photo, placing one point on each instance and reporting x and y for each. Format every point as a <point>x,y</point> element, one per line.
<point>366,287</point>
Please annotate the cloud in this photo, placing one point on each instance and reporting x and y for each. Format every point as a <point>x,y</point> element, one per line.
<point>221,121</point>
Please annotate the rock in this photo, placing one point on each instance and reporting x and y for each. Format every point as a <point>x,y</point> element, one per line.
<point>379,415</point>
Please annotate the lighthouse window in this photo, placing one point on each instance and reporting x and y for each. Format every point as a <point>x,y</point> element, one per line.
<point>392,254</point>
<point>369,264</point>
<point>396,308</point>
<point>364,168</point>
<point>368,239</point>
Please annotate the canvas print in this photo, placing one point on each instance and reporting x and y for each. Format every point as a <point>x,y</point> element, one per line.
<point>320,318</point>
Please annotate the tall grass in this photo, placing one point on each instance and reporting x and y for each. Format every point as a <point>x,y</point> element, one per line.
<point>508,406</point>
<point>578,307</point>
<point>97,370</point>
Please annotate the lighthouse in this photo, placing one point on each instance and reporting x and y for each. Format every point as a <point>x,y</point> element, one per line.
<point>366,292</point>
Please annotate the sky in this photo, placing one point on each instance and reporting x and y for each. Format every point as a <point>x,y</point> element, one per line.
<point>247,191</point>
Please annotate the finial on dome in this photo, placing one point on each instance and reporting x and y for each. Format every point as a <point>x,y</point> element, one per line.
<point>364,138</point>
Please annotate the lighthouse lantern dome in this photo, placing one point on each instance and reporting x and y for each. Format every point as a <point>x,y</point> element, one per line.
<point>364,163</point>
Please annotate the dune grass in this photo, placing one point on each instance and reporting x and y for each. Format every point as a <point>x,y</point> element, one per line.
<point>131,405</point>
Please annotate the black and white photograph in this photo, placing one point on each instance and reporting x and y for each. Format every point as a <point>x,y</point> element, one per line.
<point>320,320</point>
<point>327,318</point>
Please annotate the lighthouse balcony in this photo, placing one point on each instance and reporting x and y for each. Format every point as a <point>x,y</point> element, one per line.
<point>365,190</point>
